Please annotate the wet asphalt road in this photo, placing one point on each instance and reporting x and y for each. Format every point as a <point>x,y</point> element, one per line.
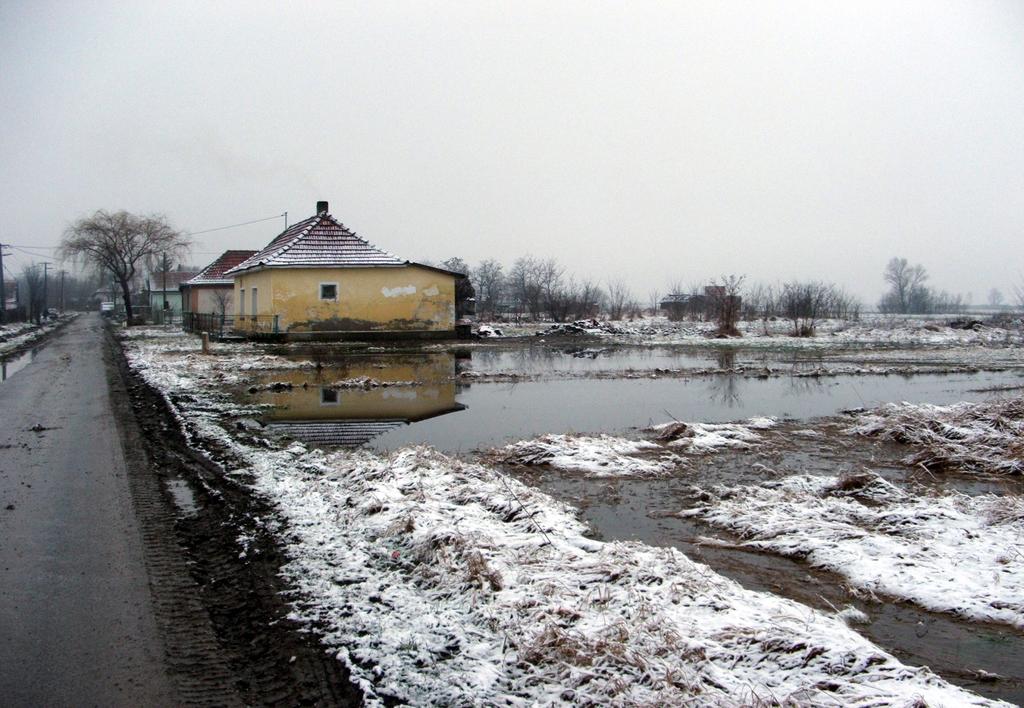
<point>76,618</point>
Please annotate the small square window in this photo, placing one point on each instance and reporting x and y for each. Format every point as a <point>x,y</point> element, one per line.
<point>329,397</point>
<point>328,291</point>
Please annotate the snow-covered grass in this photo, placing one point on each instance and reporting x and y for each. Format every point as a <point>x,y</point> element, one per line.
<point>611,456</point>
<point>948,553</point>
<point>870,330</point>
<point>595,456</point>
<point>985,437</point>
<point>709,437</point>
<point>441,582</point>
<point>21,334</point>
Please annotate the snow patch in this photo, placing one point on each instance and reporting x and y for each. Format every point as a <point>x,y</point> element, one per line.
<point>595,456</point>
<point>985,437</point>
<point>949,553</point>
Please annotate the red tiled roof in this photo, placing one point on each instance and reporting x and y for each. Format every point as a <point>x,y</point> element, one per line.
<point>320,241</point>
<point>214,274</point>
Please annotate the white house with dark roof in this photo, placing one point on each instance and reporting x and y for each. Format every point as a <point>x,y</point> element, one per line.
<point>318,279</point>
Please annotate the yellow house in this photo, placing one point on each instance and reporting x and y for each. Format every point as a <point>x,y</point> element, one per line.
<point>318,280</point>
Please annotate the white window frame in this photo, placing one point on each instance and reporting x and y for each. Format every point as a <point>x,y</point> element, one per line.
<point>320,292</point>
<point>241,302</point>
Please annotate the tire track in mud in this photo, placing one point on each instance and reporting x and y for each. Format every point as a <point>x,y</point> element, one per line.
<point>220,604</point>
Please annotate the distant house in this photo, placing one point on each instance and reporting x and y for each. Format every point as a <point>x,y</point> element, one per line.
<point>212,291</point>
<point>317,279</point>
<point>163,288</point>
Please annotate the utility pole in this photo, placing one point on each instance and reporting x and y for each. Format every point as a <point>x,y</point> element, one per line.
<point>62,272</point>
<point>164,267</point>
<point>3,289</point>
<point>46,265</point>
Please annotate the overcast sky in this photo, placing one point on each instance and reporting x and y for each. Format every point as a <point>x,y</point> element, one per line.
<point>655,142</point>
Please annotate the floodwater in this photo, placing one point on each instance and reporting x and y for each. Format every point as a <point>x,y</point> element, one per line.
<point>541,360</point>
<point>427,400</point>
<point>11,365</point>
<point>438,407</point>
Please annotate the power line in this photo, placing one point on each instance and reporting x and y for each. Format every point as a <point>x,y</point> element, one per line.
<point>233,226</point>
<point>187,233</point>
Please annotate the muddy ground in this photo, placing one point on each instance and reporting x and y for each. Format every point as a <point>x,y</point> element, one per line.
<point>241,597</point>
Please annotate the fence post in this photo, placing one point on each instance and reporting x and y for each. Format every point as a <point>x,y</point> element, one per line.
<point>275,323</point>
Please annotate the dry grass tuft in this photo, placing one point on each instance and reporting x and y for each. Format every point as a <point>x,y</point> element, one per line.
<point>968,437</point>
<point>481,573</point>
<point>674,431</point>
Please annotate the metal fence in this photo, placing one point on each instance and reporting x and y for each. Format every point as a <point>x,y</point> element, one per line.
<point>217,325</point>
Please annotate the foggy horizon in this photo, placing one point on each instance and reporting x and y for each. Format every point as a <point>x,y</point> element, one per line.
<point>653,144</point>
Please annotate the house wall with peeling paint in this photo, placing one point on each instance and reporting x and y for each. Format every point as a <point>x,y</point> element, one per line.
<point>405,298</point>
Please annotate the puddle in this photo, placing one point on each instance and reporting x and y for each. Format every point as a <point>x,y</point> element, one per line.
<point>183,496</point>
<point>420,408</point>
<point>12,365</point>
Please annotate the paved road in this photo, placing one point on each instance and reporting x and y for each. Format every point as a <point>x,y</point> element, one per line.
<point>76,618</point>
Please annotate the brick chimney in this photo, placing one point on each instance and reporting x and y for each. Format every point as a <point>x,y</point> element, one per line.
<point>321,207</point>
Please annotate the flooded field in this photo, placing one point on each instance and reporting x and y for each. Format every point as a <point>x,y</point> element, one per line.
<point>429,400</point>
<point>386,401</point>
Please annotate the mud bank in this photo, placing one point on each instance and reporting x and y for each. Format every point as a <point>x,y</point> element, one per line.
<point>215,569</point>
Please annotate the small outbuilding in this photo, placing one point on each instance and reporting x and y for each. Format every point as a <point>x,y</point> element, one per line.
<point>319,280</point>
<point>163,290</point>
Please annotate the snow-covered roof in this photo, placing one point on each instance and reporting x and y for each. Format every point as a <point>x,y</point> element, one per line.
<point>320,241</point>
<point>214,274</point>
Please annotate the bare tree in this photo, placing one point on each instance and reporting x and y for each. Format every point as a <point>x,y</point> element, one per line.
<point>654,301</point>
<point>222,300</point>
<point>907,292</point>
<point>120,244</point>
<point>32,288</point>
<point>525,286</point>
<point>724,303</point>
<point>761,303</point>
<point>995,297</point>
<point>619,298</point>
<point>489,279</point>
<point>456,264</point>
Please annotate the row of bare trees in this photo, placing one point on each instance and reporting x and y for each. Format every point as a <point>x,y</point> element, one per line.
<point>908,294</point>
<point>36,293</point>
<point>541,288</point>
<point>802,303</point>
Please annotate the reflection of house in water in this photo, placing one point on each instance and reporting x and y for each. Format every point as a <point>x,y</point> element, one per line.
<point>325,408</point>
